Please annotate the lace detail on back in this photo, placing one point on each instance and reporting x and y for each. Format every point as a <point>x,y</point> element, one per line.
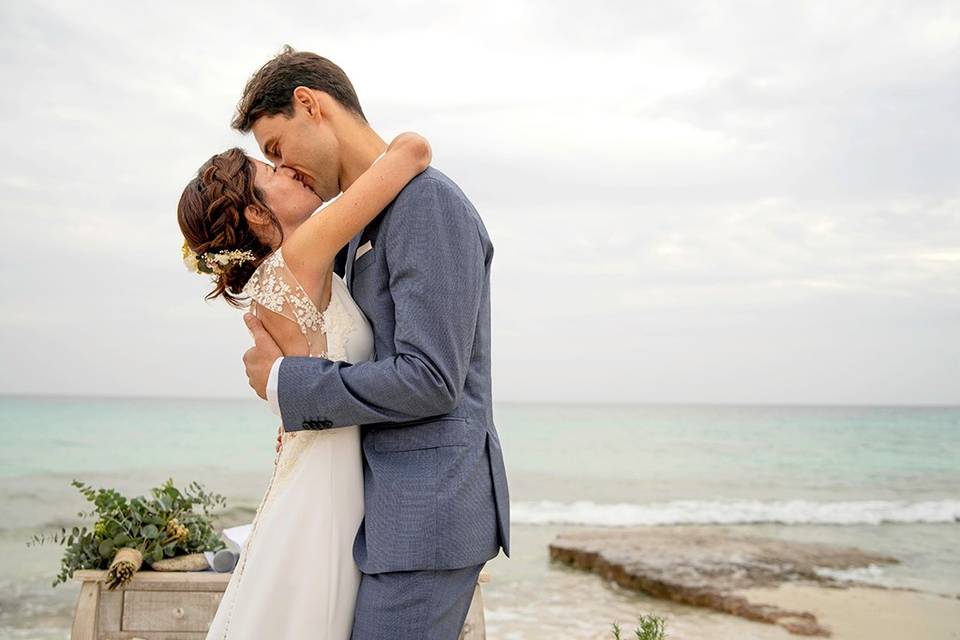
<point>274,287</point>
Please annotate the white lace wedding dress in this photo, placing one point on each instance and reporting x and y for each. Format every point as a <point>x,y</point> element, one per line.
<point>296,577</point>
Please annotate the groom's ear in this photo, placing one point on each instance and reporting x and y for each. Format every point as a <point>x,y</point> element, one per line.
<point>307,99</point>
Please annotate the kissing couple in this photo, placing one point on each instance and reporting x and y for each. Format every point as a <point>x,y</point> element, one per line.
<point>371,321</point>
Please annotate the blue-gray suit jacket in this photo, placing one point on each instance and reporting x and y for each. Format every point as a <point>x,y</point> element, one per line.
<point>435,487</point>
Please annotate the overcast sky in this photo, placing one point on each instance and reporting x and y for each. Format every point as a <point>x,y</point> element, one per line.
<point>690,202</point>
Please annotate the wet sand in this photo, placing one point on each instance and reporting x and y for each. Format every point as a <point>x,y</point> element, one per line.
<point>856,613</point>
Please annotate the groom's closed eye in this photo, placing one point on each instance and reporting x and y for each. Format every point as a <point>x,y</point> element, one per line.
<point>265,148</point>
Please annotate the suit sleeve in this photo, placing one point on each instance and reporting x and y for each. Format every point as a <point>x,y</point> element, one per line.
<point>436,263</point>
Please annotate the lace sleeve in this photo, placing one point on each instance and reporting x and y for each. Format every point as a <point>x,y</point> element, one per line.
<point>274,287</point>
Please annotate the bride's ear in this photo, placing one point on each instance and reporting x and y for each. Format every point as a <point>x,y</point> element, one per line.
<point>254,215</point>
<point>260,223</point>
<point>257,219</point>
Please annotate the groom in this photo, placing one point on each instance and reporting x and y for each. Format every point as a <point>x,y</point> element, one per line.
<point>435,488</point>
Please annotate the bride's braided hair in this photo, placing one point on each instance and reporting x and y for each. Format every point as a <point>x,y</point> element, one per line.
<point>211,218</point>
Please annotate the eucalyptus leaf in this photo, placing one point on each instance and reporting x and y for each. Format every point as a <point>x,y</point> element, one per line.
<point>138,523</point>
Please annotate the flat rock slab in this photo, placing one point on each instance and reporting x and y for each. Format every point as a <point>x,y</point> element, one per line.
<point>705,566</point>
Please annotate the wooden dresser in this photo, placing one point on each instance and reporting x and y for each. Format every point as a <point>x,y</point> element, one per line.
<point>161,605</point>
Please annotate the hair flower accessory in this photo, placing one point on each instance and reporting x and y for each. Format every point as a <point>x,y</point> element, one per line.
<point>213,264</point>
<point>190,258</point>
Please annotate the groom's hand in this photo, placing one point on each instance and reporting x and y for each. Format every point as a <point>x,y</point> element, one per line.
<point>260,358</point>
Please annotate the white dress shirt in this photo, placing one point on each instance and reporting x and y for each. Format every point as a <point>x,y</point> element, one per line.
<point>273,382</point>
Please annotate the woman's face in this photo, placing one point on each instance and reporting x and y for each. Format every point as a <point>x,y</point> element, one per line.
<point>291,202</point>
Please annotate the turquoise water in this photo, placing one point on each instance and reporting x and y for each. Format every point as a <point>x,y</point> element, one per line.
<point>604,452</point>
<point>883,478</point>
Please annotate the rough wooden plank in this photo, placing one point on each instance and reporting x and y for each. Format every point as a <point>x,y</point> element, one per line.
<point>153,635</point>
<point>111,608</point>
<point>180,606</point>
<point>171,585</point>
<point>85,619</point>
<point>164,580</point>
<point>169,610</point>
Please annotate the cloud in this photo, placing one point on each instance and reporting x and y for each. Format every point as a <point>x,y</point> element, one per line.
<point>709,201</point>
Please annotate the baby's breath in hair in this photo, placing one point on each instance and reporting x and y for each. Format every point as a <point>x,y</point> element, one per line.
<point>213,263</point>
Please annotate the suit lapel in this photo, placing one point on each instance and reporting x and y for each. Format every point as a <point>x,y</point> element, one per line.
<point>351,255</point>
<point>340,262</point>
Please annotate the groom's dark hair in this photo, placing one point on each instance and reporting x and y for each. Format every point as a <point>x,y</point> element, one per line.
<point>270,90</point>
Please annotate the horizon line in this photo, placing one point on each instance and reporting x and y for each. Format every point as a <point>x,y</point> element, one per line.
<point>625,403</point>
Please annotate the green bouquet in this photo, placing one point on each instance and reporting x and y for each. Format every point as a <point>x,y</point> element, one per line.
<point>129,532</point>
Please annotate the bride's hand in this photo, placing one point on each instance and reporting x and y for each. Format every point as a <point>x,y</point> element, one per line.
<point>279,438</point>
<point>259,359</point>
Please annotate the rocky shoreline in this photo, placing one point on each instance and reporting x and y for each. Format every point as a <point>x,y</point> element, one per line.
<point>709,566</point>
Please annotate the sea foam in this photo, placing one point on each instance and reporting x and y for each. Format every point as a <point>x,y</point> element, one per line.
<point>736,512</point>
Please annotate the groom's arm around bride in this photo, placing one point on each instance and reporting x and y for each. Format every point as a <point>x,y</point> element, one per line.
<point>436,502</point>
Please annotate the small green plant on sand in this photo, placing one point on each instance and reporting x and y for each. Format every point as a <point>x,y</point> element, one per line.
<point>651,628</point>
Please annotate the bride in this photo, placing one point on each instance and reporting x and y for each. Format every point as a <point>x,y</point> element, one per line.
<point>252,229</point>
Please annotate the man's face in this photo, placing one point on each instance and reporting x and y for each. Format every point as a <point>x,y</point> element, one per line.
<point>305,144</point>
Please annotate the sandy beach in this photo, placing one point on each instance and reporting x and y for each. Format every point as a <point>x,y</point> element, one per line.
<point>856,613</point>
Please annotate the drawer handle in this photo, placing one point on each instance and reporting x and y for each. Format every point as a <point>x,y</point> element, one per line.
<point>178,612</point>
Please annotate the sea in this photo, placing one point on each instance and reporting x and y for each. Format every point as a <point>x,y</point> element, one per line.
<point>884,479</point>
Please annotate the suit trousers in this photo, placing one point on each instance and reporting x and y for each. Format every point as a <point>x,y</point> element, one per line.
<point>414,605</point>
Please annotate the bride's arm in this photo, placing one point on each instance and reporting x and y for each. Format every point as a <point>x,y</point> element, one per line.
<point>284,331</point>
<point>310,250</point>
